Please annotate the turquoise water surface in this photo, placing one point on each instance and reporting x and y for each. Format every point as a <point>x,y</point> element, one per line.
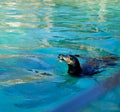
<point>34,32</point>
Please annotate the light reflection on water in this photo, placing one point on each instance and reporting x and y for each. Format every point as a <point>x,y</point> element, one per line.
<point>33,33</point>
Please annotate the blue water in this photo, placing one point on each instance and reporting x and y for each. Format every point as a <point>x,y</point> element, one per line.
<point>34,32</point>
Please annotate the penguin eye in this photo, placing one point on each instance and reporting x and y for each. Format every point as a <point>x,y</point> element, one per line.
<point>71,58</point>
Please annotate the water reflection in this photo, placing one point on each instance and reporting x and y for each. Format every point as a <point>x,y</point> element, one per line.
<point>102,11</point>
<point>20,19</point>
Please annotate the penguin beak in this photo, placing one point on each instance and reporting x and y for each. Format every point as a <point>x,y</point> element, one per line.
<point>61,57</point>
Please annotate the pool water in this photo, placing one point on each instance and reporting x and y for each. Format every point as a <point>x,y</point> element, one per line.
<point>34,32</point>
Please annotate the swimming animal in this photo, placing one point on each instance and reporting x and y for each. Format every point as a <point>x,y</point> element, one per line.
<point>91,67</point>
